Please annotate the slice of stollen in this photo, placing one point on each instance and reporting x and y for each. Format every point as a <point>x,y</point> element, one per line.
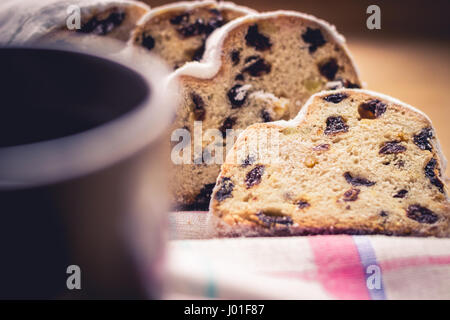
<point>177,32</point>
<point>55,21</point>
<point>352,161</point>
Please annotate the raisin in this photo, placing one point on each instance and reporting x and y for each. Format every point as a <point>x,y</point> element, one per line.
<point>335,125</point>
<point>357,181</point>
<point>199,27</point>
<point>248,161</point>
<point>198,53</point>
<point>254,176</point>
<point>400,194</point>
<point>432,172</point>
<point>148,42</point>
<point>227,124</point>
<point>235,57</point>
<point>182,18</point>
<point>187,31</point>
<point>215,11</point>
<point>335,98</point>
<point>400,164</point>
<point>421,214</point>
<point>213,24</point>
<point>350,85</point>
<point>303,204</point>
<point>193,29</point>
<point>351,194</point>
<point>265,115</point>
<point>322,147</point>
<point>199,107</point>
<point>271,220</point>
<point>257,40</point>
<point>383,214</point>
<point>202,199</point>
<point>237,96</point>
<point>392,147</point>
<point>372,109</point>
<point>314,37</point>
<point>239,77</point>
<point>329,68</point>
<point>105,26</point>
<point>258,68</point>
<point>225,189</point>
<point>422,139</point>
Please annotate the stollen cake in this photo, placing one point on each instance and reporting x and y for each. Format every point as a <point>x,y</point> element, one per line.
<point>30,21</point>
<point>352,161</point>
<point>177,32</point>
<point>257,68</point>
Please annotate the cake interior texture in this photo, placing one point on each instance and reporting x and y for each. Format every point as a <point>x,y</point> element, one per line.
<point>269,66</point>
<point>351,162</point>
<point>178,35</point>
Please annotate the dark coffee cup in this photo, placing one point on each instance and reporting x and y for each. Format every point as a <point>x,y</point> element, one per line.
<point>82,197</point>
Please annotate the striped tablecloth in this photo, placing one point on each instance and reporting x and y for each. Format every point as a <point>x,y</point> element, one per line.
<point>315,267</point>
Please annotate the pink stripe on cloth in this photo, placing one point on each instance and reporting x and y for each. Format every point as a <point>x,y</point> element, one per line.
<point>303,275</point>
<point>339,267</point>
<point>417,261</point>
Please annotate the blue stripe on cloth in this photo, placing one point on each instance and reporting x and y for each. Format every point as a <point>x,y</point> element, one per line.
<point>211,290</point>
<point>372,271</point>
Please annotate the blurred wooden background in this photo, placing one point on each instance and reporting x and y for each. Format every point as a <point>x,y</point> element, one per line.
<point>409,58</point>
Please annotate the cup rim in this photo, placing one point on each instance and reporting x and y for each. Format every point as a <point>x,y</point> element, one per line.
<point>56,160</point>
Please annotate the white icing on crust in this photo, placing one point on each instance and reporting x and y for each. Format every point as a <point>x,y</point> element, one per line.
<point>27,20</point>
<point>210,64</point>
<point>302,114</point>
